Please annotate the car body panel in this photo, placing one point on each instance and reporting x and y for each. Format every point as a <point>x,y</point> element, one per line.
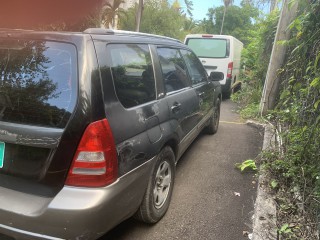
<point>73,209</point>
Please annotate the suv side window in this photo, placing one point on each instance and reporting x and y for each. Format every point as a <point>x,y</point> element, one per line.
<point>174,70</point>
<point>132,73</point>
<point>197,72</point>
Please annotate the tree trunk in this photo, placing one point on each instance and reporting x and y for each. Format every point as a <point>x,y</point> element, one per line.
<point>139,15</point>
<point>273,4</point>
<point>224,14</point>
<point>272,82</point>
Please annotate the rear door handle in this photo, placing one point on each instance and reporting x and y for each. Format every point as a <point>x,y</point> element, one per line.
<point>176,107</point>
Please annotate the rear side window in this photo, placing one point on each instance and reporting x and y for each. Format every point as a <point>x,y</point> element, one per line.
<point>209,47</point>
<point>37,82</point>
<point>173,69</point>
<point>132,73</point>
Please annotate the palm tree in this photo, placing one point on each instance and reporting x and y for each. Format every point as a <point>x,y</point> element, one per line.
<point>110,13</point>
<point>227,3</point>
<point>189,6</point>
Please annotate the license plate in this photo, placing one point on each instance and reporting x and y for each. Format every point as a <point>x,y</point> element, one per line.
<point>2,147</point>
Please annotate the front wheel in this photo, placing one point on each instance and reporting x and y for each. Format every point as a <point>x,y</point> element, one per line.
<point>214,120</point>
<point>159,190</point>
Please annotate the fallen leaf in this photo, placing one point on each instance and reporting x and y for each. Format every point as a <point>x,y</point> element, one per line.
<point>237,194</point>
<point>262,218</point>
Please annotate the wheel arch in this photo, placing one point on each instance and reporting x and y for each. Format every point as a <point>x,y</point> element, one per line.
<point>172,142</point>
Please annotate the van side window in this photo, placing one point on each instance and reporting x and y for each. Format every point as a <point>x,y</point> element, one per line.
<point>173,69</point>
<point>196,70</point>
<point>132,73</point>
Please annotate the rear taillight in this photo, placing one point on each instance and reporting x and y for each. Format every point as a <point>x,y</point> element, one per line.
<point>95,161</point>
<point>229,72</point>
<point>207,36</point>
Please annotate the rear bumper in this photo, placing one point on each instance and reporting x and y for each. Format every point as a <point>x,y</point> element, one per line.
<point>74,213</point>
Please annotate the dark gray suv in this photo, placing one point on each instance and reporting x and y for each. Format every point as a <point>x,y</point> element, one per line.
<point>92,125</point>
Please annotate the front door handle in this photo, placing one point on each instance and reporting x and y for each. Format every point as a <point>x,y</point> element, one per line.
<point>176,107</point>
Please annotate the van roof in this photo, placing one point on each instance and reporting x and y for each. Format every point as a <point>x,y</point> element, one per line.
<point>205,35</point>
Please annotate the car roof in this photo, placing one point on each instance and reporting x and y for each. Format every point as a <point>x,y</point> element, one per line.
<point>96,33</point>
<point>102,31</point>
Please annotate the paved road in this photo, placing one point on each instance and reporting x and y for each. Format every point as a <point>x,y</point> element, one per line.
<point>204,204</point>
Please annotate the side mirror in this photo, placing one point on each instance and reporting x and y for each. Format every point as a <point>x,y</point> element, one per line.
<point>216,76</point>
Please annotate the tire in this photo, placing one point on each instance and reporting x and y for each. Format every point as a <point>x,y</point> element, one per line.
<point>227,94</point>
<point>159,190</point>
<point>214,120</point>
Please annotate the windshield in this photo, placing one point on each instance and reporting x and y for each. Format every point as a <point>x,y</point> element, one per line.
<point>37,82</point>
<point>209,47</point>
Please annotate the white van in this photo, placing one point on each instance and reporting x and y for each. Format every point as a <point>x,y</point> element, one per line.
<point>218,53</point>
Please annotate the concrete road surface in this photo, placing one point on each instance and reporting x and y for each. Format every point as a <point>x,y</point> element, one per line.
<point>211,199</point>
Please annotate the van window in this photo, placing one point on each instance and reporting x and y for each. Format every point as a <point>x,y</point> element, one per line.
<point>132,72</point>
<point>173,69</point>
<point>38,82</point>
<point>209,47</point>
<point>196,71</point>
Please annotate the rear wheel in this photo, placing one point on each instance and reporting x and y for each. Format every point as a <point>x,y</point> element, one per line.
<point>159,190</point>
<point>214,120</point>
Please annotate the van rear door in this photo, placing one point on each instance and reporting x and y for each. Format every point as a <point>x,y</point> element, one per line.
<point>214,53</point>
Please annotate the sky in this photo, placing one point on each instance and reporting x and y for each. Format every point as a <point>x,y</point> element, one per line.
<point>200,7</point>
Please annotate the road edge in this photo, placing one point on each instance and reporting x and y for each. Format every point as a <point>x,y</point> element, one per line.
<point>265,211</point>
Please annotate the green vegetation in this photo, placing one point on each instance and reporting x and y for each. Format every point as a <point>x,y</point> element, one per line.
<point>298,114</point>
<point>159,17</point>
<point>295,167</point>
<point>238,21</point>
<point>255,60</point>
<point>163,18</point>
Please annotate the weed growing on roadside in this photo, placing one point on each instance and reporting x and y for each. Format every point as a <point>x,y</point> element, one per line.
<point>247,165</point>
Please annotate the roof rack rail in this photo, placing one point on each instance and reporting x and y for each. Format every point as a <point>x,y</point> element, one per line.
<point>120,32</point>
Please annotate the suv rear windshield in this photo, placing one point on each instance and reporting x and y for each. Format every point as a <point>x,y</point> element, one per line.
<point>37,82</point>
<point>209,47</point>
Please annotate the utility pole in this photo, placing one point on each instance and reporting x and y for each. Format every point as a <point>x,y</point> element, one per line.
<point>272,82</point>
<point>139,15</point>
<point>224,14</point>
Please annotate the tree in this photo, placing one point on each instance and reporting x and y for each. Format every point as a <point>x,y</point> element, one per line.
<point>261,4</point>
<point>189,7</point>
<point>110,13</point>
<point>226,4</point>
<point>238,21</point>
<point>159,17</point>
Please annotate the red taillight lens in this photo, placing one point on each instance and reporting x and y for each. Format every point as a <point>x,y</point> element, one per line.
<point>229,72</point>
<point>95,161</point>
<point>207,36</point>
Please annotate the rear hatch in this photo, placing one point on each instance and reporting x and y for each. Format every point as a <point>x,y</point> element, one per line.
<point>214,53</point>
<point>38,93</point>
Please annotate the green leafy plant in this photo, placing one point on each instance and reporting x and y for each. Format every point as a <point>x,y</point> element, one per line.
<point>248,164</point>
<point>285,228</point>
<point>274,183</point>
